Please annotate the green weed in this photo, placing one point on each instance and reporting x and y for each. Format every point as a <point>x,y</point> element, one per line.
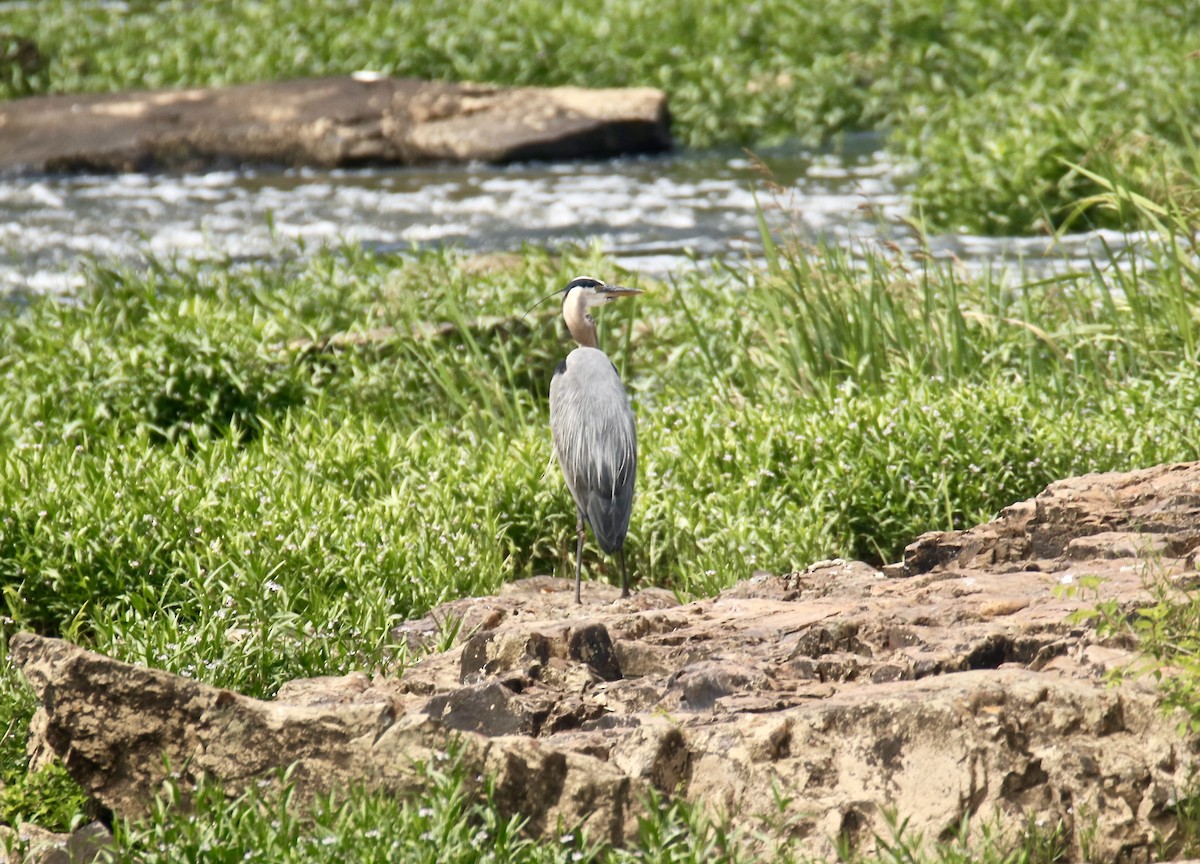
<point>392,447</point>
<point>987,101</point>
<point>49,798</point>
<point>818,409</point>
<point>454,819</point>
<point>448,821</point>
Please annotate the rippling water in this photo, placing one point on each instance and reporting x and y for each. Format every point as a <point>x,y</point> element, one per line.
<point>651,214</point>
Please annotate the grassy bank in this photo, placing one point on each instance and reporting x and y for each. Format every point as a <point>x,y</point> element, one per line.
<point>247,473</point>
<point>175,441</point>
<point>989,101</point>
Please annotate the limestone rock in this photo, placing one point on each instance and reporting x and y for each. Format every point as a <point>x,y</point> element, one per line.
<point>965,689</point>
<point>327,122</point>
<point>1139,514</point>
<point>112,724</point>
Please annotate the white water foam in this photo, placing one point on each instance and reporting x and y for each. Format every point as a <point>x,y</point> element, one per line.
<point>652,214</point>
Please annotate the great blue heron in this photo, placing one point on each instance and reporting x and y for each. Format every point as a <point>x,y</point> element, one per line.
<point>592,427</point>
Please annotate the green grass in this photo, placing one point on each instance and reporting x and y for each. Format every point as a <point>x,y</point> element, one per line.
<point>170,452</point>
<point>186,481</point>
<point>989,101</point>
<point>450,820</point>
<point>190,481</point>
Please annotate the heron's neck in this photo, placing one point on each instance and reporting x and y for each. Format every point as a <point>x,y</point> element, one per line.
<point>581,325</point>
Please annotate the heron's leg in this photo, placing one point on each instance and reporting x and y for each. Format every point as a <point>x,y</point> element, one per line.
<point>578,557</point>
<point>624,575</point>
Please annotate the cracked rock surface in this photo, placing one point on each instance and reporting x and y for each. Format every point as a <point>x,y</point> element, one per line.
<point>955,683</point>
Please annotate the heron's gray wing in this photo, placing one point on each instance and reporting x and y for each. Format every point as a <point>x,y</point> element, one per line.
<point>596,442</point>
<point>609,515</point>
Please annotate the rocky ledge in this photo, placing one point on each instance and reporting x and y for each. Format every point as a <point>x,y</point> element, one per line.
<point>960,683</point>
<point>330,122</point>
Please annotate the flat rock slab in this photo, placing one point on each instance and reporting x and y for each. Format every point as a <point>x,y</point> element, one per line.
<point>959,684</point>
<point>329,122</point>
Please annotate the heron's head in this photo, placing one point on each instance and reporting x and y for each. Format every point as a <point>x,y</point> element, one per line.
<point>592,292</point>
<point>581,294</point>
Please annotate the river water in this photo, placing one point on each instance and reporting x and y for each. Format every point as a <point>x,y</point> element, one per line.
<point>651,214</point>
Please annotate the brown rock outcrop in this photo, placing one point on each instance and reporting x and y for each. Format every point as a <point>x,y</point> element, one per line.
<point>967,689</point>
<point>327,123</point>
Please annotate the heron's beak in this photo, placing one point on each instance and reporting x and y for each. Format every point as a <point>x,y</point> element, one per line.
<point>613,292</point>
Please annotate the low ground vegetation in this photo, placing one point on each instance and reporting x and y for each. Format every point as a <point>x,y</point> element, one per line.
<point>251,472</point>
<point>991,103</point>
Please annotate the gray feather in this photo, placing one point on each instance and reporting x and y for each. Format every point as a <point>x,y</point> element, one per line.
<point>596,442</point>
